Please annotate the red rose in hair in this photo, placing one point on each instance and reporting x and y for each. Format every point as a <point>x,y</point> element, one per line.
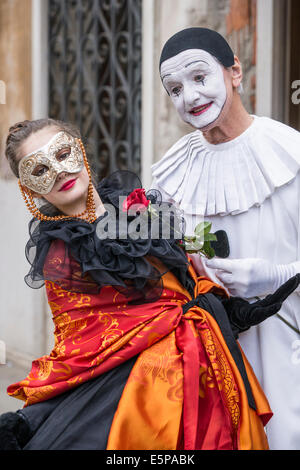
<point>137,199</point>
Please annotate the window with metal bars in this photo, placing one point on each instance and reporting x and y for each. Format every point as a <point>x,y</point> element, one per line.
<point>95,77</point>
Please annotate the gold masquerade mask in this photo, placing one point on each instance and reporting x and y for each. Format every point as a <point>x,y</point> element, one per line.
<point>38,170</point>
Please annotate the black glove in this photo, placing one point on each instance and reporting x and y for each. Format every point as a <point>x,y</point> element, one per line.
<point>242,315</point>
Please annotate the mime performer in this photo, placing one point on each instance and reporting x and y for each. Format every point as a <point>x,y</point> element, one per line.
<point>241,172</point>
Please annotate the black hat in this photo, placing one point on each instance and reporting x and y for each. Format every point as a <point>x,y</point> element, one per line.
<point>198,38</point>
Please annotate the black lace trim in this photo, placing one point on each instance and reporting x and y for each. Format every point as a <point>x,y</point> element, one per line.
<point>89,263</point>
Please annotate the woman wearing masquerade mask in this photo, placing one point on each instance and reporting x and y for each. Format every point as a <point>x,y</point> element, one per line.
<point>145,353</point>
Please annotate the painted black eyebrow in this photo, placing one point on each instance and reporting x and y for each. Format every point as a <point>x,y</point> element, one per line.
<point>196,62</point>
<point>191,63</point>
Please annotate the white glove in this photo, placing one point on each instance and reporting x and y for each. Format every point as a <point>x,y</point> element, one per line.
<point>252,277</point>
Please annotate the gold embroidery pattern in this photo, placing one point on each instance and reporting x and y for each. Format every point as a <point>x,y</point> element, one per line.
<point>219,372</point>
<point>66,327</point>
<point>38,394</point>
<point>111,332</point>
<point>58,351</point>
<point>223,375</point>
<point>43,370</point>
<point>161,362</point>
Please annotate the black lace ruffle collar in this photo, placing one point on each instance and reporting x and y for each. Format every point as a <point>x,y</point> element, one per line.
<point>122,263</point>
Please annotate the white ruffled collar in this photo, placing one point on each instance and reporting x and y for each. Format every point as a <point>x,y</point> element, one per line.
<point>232,177</point>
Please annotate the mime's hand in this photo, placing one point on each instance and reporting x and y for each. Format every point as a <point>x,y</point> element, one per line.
<point>251,277</point>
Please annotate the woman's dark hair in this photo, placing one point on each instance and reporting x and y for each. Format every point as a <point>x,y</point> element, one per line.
<point>19,132</point>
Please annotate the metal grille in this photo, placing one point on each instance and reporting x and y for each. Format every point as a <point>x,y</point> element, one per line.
<point>95,77</point>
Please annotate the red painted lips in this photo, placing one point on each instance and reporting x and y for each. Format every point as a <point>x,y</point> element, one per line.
<point>69,184</point>
<point>200,109</point>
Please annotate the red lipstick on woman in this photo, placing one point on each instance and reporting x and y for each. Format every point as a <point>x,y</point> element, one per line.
<point>68,185</point>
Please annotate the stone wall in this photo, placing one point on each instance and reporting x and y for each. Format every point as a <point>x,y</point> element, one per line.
<point>235,20</point>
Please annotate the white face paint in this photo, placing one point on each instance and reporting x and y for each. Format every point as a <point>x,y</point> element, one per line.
<point>195,82</point>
